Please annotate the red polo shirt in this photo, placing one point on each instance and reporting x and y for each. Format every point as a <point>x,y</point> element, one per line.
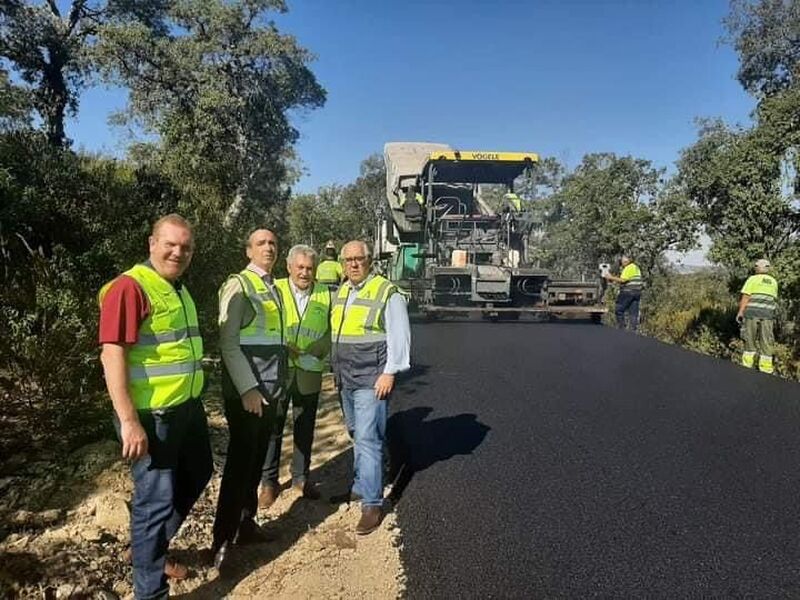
<point>122,311</point>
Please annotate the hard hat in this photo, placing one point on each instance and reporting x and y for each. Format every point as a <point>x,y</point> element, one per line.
<point>762,263</point>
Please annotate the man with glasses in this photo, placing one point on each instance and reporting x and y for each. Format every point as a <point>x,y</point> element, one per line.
<point>371,344</point>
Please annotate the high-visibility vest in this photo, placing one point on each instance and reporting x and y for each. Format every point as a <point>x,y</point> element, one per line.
<point>763,292</point>
<point>266,327</point>
<point>329,272</point>
<point>632,278</point>
<point>514,201</point>
<point>308,328</point>
<point>359,333</point>
<point>164,367</point>
<point>362,321</point>
<point>417,196</point>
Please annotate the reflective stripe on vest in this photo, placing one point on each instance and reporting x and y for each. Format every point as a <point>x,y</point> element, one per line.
<point>362,320</point>
<point>763,292</point>
<point>164,366</point>
<point>308,328</point>
<point>633,278</point>
<point>266,327</point>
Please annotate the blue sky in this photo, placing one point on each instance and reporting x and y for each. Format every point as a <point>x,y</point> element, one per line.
<point>562,78</point>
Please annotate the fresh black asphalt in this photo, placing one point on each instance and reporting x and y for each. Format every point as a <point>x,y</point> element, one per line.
<point>574,460</point>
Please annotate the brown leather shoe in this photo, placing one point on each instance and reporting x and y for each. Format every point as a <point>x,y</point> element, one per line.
<point>269,493</point>
<point>371,518</point>
<point>308,490</point>
<point>173,570</point>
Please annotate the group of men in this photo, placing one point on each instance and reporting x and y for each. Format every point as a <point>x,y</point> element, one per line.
<point>756,314</point>
<point>276,338</point>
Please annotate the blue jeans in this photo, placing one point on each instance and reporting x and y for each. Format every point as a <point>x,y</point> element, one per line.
<point>365,418</point>
<point>628,302</point>
<point>166,483</point>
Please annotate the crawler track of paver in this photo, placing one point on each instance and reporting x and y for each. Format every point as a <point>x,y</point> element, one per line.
<point>574,460</point>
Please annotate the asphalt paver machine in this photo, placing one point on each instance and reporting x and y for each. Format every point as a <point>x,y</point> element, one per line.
<point>442,242</point>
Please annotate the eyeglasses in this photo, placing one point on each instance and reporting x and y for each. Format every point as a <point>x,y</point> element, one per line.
<point>355,259</point>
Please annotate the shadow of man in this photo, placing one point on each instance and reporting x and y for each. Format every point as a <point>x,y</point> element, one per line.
<point>416,444</point>
<point>286,529</point>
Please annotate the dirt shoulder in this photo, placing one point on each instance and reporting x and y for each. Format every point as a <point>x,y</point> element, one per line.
<point>65,529</point>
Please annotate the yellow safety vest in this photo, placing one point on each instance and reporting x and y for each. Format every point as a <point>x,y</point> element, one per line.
<point>164,368</point>
<point>763,292</point>
<point>329,272</point>
<point>266,328</point>
<point>362,321</point>
<point>514,200</point>
<point>632,278</point>
<point>308,328</point>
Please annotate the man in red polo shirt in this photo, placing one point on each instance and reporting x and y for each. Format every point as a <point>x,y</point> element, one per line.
<point>151,353</point>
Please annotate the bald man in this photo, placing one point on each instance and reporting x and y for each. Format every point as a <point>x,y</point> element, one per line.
<point>254,362</point>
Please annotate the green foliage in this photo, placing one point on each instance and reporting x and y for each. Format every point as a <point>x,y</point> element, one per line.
<point>609,206</point>
<point>695,310</point>
<point>217,84</point>
<point>68,224</point>
<point>340,213</point>
<point>50,50</point>
<point>766,35</point>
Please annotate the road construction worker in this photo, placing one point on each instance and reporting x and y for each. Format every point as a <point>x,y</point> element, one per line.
<point>417,196</point>
<point>371,344</point>
<point>756,315</point>
<point>329,270</point>
<point>251,340</point>
<point>306,317</point>
<point>630,293</point>
<point>151,352</point>
<point>513,201</point>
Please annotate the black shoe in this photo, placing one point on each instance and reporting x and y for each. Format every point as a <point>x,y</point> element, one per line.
<point>251,533</point>
<point>308,490</point>
<point>222,560</point>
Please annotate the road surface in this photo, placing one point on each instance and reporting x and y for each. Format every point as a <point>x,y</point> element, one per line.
<point>574,460</point>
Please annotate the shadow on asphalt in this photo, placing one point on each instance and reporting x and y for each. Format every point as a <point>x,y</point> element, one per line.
<point>416,444</point>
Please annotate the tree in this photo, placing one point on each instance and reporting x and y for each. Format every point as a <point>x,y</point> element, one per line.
<point>15,105</point>
<point>218,85</point>
<point>734,179</point>
<point>363,201</point>
<point>613,205</point>
<point>52,49</point>
<point>766,35</point>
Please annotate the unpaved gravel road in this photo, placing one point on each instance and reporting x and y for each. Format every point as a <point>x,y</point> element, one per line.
<point>65,527</point>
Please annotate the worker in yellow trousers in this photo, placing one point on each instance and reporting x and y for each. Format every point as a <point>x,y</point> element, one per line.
<point>757,308</point>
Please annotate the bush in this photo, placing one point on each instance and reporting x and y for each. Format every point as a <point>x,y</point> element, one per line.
<point>698,311</point>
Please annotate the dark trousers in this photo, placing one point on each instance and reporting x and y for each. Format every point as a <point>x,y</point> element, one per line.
<point>304,413</point>
<point>628,302</point>
<point>247,447</point>
<point>166,484</point>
